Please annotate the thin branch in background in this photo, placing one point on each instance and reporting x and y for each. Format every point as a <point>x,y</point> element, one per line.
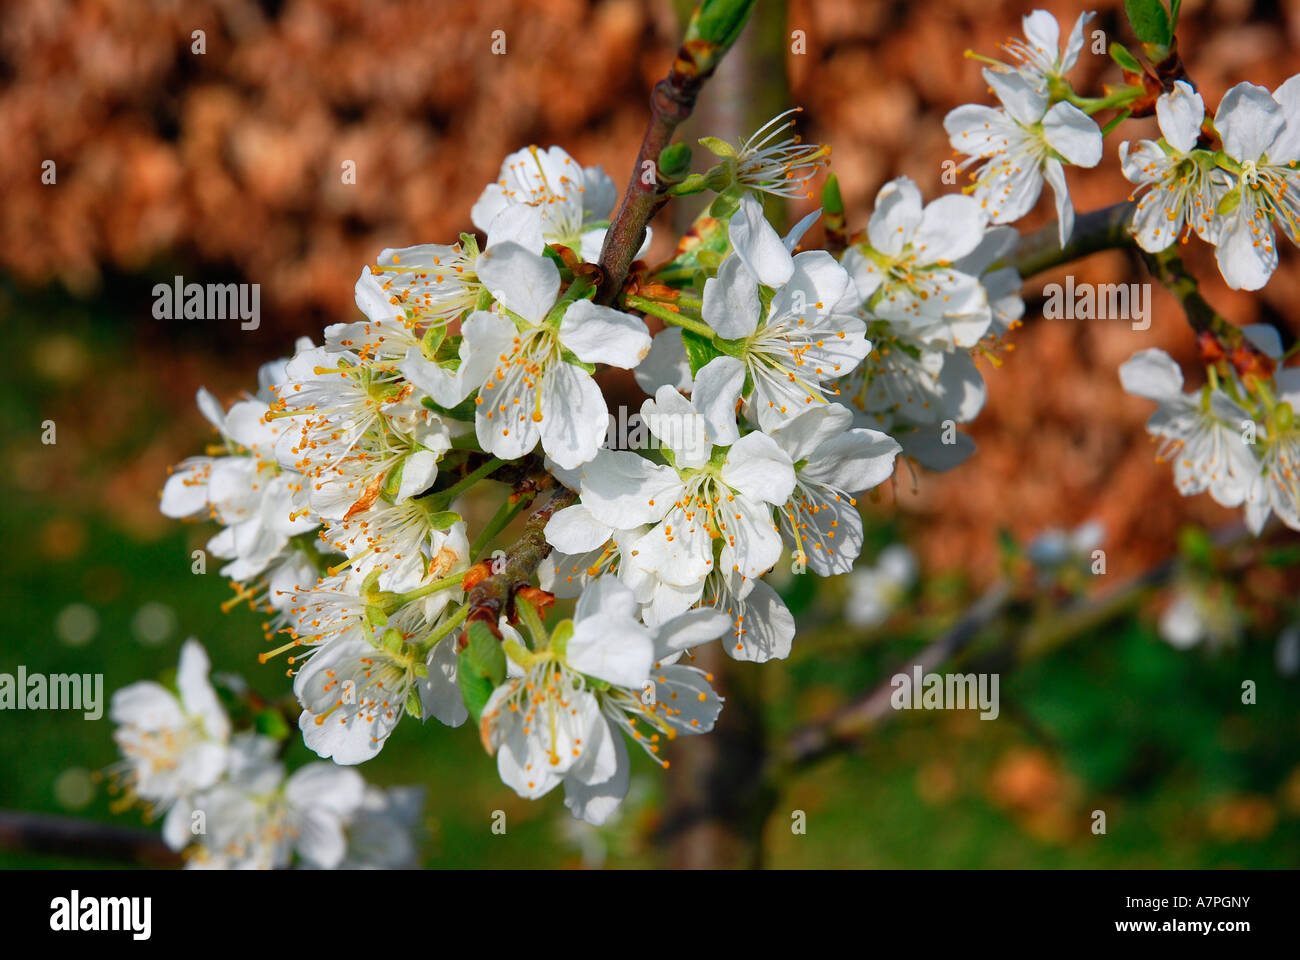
<point>860,716</point>
<point>36,833</point>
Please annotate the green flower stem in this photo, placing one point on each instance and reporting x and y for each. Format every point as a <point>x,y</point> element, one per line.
<point>1119,98</point>
<point>433,586</point>
<point>656,309</point>
<point>500,520</point>
<point>443,498</point>
<point>446,627</point>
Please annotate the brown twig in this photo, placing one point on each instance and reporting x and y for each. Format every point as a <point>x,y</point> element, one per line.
<point>671,101</point>
<point>493,593</point>
<point>82,839</point>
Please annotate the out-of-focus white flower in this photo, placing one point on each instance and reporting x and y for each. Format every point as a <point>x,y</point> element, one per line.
<point>875,592</point>
<point>172,746</point>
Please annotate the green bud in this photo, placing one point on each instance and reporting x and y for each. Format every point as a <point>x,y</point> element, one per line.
<point>393,640</point>
<point>413,705</point>
<point>718,22</point>
<point>674,162</point>
<point>832,201</point>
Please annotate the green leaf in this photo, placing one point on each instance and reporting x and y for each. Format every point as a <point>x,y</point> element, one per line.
<point>699,351</point>
<point>1150,21</point>
<point>393,480</point>
<point>1126,61</point>
<point>481,667</point>
<point>486,658</point>
<point>271,723</point>
<point>448,352</point>
<point>462,411</point>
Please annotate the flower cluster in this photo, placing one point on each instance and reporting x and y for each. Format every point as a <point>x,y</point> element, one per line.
<point>338,485</point>
<point>784,384</point>
<point>1236,438</point>
<point>225,799</point>
<point>1232,181</point>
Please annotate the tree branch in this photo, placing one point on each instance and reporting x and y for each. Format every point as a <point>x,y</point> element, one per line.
<point>493,593</point>
<point>1219,339</point>
<point>671,101</point>
<point>23,832</point>
<point>1108,229</point>
<point>1097,230</point>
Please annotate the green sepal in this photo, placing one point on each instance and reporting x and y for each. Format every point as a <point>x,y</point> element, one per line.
<point>444,519</point>
<point>432,341</point>
<point>718,147</point>
<point>393,640</point>
<point>1123,59</point>
<point>699,350</point>
<point>462,411</point>
<point>726,203</point>
<point>560,636</point>
<point>1230,201</point>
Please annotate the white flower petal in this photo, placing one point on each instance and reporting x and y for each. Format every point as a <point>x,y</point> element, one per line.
<point>717,389</point>
<point>599,334</point>
<point>758,469</point>
<point>758,244</point>
<point>524,282</point>
<point>731,305</point>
